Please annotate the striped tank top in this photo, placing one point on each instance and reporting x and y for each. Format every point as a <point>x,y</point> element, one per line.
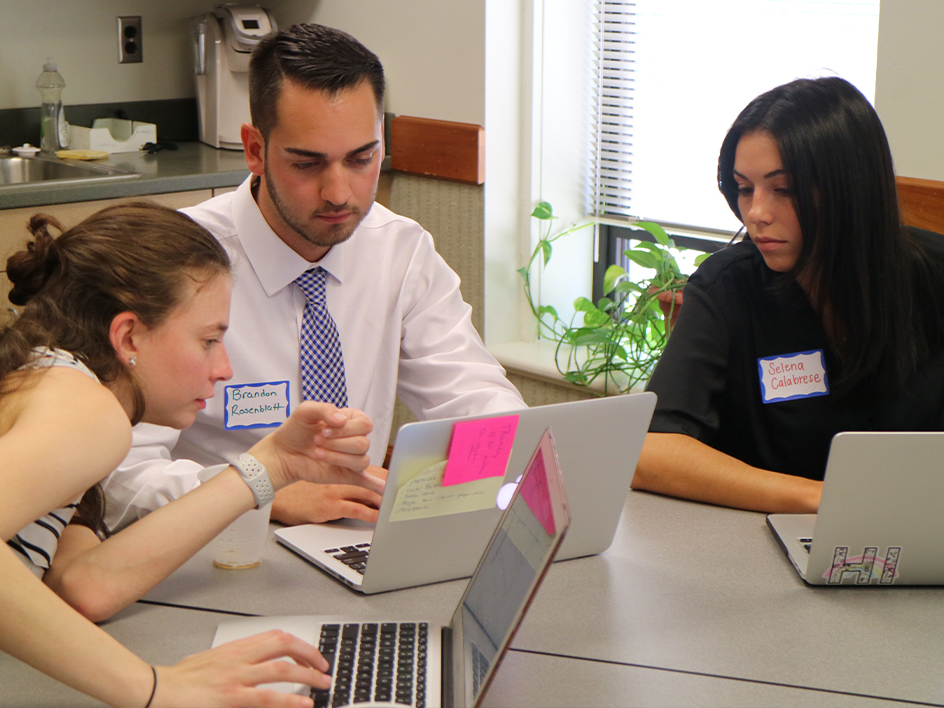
<point>36,544</point>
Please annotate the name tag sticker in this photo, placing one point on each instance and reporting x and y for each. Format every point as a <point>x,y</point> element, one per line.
<point>261,405</point>
<point>791,376</point>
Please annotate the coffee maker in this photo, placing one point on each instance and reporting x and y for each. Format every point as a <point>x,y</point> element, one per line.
<point>222,43</point>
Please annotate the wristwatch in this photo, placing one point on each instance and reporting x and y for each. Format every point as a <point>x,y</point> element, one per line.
<point>254,474</point>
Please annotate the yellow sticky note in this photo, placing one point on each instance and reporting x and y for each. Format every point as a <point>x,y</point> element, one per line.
<point>424,495</point>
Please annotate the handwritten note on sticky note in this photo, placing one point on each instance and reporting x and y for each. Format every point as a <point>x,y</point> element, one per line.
<point>480,449</point>
<point>424,495</point>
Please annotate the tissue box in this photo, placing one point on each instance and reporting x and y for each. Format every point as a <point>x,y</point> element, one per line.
<point>112,135</point>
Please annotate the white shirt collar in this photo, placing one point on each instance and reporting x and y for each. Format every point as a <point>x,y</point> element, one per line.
<point>274,262</point>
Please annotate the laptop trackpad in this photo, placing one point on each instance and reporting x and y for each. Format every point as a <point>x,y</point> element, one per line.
<point>303,627</point>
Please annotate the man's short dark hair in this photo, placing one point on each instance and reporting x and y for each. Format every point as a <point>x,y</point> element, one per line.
<point>314,56</point>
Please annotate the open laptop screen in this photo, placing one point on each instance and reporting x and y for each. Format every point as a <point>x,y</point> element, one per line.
<point>521,549</point>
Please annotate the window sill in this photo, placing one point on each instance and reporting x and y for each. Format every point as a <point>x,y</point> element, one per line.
<point>536,360</point>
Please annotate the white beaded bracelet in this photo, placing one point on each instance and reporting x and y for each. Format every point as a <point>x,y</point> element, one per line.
<point>256,476</point>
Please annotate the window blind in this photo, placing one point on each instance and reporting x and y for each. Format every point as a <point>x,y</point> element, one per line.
<point>672,75</point>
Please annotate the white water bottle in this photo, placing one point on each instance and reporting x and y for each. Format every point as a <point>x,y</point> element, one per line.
<point>54,131</point>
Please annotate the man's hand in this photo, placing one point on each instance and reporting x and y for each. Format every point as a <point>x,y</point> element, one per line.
<point>319,443</point>
<point>305,503</point>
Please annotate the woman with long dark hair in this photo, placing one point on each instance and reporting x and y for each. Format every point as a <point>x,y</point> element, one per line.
<point>827,317</point>
<point>123,322</point>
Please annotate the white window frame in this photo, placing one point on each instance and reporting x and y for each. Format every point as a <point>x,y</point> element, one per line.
<point>662,111</point>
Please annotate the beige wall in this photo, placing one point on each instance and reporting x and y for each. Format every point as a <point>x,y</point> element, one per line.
<point>909,89</point>
<point>433,52</point>
<point>81,36</point>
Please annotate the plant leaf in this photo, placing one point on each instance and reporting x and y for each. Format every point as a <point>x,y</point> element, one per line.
<point>548,310</point>
<point>658,233</point>
<point>523,272</point>
<point>596,318</point>
<point>546,250</point>
<point>643,258</point>
<point>701,259</point>
<point>627,286</point>
<point>582,304</point>
<point>613,274</point>
<point>543,211</point>
<point>568,336</point>
<point>604,304</point>
<point>653,248</point>
<point>595,338</point>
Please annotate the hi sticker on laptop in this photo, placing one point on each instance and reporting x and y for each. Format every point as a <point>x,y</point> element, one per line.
<point>865,568</point>
<point>791,376</point>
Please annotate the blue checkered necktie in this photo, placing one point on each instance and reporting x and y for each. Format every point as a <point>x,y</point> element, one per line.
<point>320,347</point>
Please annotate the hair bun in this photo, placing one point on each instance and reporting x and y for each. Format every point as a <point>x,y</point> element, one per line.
<point>29,270</point>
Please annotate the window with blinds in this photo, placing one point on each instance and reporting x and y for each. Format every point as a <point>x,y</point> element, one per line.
<point>673,74</point>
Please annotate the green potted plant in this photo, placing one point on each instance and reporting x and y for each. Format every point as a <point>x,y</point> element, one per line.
<point>618,339</point>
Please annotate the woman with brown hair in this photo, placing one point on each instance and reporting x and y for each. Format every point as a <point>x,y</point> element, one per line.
<point>123,322</point>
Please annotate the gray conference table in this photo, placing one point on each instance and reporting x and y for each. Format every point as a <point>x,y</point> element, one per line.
<point>692,605</point>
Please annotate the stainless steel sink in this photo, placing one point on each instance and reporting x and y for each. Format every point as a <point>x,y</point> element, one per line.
<point>42,170</point>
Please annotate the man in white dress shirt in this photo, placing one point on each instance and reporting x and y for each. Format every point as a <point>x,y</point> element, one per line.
<point>314,150</point>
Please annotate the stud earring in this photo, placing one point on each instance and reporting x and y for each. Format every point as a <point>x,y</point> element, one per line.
<point>133,362</point>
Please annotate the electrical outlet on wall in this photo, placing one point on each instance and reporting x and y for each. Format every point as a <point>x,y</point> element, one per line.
<point>130,47</point>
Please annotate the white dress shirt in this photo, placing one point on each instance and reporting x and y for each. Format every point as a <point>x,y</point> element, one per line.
<point>404,329</point>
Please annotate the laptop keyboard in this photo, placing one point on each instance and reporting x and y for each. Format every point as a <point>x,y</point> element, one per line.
<point>354,557</point>
<point>382,662</point>
<point>480,667</point>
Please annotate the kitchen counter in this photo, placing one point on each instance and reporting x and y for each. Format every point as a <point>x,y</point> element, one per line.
<point>192,166</point>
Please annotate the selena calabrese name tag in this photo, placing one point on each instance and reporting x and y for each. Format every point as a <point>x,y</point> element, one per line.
<point>790,376</point>
<point>261,405</point>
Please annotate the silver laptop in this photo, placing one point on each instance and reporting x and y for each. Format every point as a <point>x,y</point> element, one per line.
<point>598,441</point>
<point>880,521</point>
<point>417,663</point>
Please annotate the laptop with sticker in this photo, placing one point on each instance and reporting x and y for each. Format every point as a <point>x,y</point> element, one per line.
<point>879,521</point>
<point>430,530</point>
<point>416,662</point>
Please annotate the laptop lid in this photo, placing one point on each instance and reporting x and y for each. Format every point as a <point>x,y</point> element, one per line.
<point>879,521</point>
<point>496,599</point>
<point>598,443</point>
<point>508,575</point>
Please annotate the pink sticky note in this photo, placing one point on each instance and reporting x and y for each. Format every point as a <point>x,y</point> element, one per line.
<point>480,449</point>
<point>537,496</point>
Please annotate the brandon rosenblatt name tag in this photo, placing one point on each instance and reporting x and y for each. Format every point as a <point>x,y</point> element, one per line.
<point>791,376</point>
<point>261,405</point>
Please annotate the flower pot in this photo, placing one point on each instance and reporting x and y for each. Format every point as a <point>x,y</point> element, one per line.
<point>669,310</point>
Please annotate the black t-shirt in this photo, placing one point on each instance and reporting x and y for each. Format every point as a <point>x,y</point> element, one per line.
<point>748,368</point>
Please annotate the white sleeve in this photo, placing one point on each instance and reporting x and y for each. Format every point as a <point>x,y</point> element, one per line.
<point>445,370</point>
<point>147,478</point>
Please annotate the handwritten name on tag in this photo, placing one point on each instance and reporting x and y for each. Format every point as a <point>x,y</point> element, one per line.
<point>792,376</point>
<point>261,405</point>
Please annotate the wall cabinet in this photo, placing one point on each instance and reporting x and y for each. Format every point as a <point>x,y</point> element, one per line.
<point>14,235</point>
